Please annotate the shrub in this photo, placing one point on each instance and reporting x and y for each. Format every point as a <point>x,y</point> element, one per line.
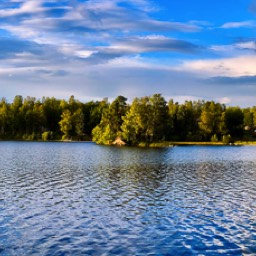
<point>47,136</point>
<point>214,138</point>
<point>226,139</point>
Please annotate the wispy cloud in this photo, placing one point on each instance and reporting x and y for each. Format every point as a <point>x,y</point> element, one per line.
<point>247,45</point>
<point>239,48</point>
<point>224,100</point>
<point>99,48</point>
<point>96,31</point>
<point>20,8</point>
<point>92,16</point>
<point>239,24</point>
<point>248,80</point>
<point>233,67</point>
<point>93,31</point>
<point>154,43</point>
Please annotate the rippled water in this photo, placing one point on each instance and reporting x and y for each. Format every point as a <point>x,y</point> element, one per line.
<point>83,199</point>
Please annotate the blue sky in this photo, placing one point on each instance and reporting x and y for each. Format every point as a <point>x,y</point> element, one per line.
<point>186,50</point>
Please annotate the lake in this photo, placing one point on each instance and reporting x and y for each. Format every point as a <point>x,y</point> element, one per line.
<point>84,199</point>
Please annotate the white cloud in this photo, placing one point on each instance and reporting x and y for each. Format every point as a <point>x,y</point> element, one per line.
<point>84,54</point>
<point>224,100</point>
<point>232,67</point>
<point>247,45</point>
<point>250,45</point>
<point>234,50</point>
<point>75,32</point>
<point>99,48</point>
<point>128,62</point>
<point>240,24</point>
<point>29,6</point>
<point>151,43</point>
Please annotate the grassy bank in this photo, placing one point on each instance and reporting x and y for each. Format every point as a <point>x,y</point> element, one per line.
<point>187,143</point>
<point>245,143</point>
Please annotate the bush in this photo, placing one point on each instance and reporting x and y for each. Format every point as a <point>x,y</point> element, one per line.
<point>47,136</point>
<point>29,136</point>
<point>65,137</point>
<point>214,138</point>
<point>226,139</point>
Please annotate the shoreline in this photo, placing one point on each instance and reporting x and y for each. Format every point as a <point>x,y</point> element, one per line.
<point>189,143</point>
<point>164,144</point>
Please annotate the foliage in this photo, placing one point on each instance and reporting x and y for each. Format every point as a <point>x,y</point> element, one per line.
<point>234,121</point>
<point>66,124</point>
<point>214,138</point>
<point>184,118</point>
<point>147,120</point>
<point>212,119</point>
<point>109,127</point>
<point>47,136</point>
<point>227,139</point>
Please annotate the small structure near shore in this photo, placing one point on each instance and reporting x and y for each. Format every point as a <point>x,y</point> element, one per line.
<point>119,142</point>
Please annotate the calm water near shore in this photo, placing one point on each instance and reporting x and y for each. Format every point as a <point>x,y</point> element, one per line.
<point>84,199</point>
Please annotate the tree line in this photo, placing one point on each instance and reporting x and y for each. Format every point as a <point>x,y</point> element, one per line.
<point>146,119</point>
<point>49,119</point>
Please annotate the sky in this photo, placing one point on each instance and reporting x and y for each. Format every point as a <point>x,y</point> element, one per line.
<point>92,49</point>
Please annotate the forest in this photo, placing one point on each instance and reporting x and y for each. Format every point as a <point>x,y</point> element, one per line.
<point>147,119</point>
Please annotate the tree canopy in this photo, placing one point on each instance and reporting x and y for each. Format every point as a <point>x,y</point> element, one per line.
<point>146,119</point>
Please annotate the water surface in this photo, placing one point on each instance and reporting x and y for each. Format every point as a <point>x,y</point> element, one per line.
<point>84,199</point>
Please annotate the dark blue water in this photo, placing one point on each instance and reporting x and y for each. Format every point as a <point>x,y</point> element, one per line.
<point>83,199</point>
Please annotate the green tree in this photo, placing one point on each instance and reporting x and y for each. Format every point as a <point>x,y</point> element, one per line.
<point>46,136</point>
<point>158,117</point>
<point>52,112</point>
<point>184,120</point>
<point>27,114</point>
<point>17,119</point>
<point>38,118</point>
<point>4,117</point>
<point>174,130</point>
<point>234,121</point>
<point>93,113</point>
<point>146,120</point>
<point>138,126</point>
<point>133,127</point>
<point>78,123</point>
<point>72,119</point>
<point>211,120</point>
<point>248,118</point>
<point>66,124</point>
<point>110,125</point>
<point>253,112</point>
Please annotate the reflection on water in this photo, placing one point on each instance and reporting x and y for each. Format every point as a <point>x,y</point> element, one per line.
<point>83,199</point>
